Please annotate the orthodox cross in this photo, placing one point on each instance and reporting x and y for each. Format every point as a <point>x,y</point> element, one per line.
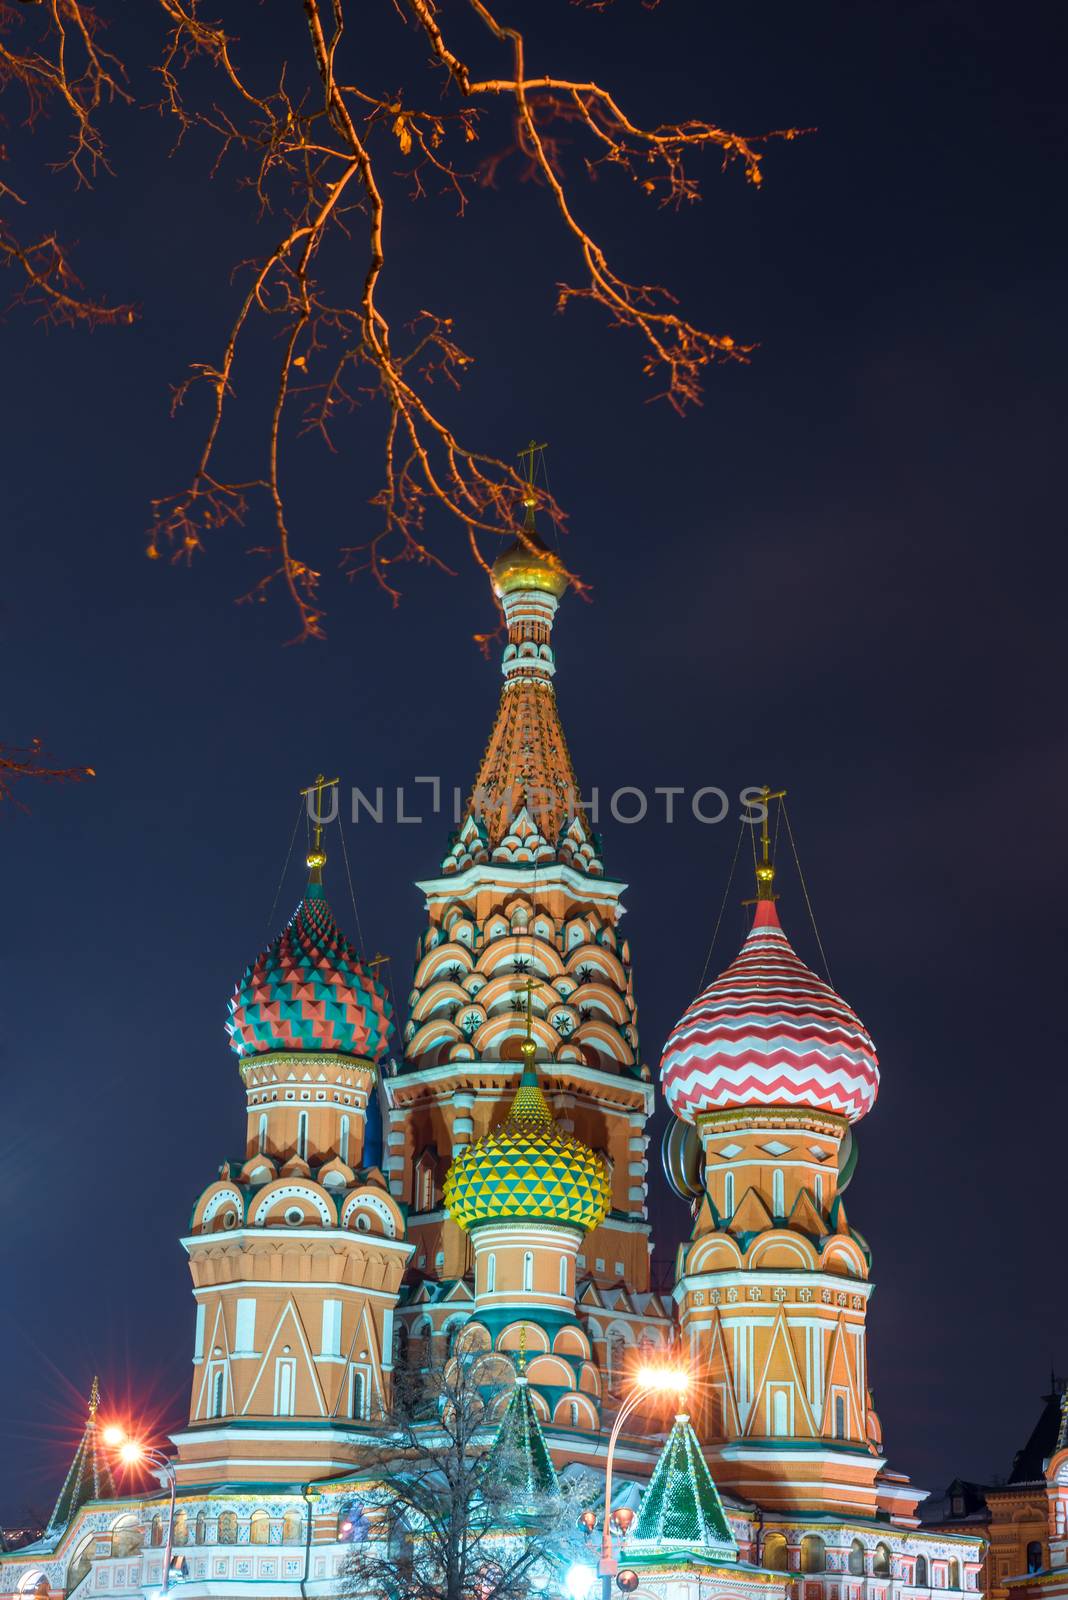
<point>316,789</point>
<point>530,455</point>
<point>765,872</point>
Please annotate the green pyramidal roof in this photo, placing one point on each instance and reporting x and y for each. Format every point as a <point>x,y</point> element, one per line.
<point>89,1477</point>
<point>519,1456</point>
<point>681,1506</point>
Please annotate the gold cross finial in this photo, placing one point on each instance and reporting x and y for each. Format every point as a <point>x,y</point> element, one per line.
<point>94,1399</point>
<point>317,855</point>
<point>528,1046</point>
<point>530,455</point>
<point>765,872</point>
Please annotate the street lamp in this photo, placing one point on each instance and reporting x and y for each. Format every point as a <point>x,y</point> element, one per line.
<point>133,1453</point>
<point>647,1381</point>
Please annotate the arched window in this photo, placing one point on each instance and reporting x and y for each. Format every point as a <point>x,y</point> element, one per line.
<point>491,1274</point>
<point>563,1274</point>
<point>528,1270</point>
<point>181,1528</point>
<point>954,1574</point>
<point>127,1537</point>
<point>80,1564</point>
<point>880,1561</point>
<point>776,1557</point>
<point>302,1136</point>
<point>343,1147</point>
<point>285,1384</point>
<point>259,1528</point>
<point>156,1535</point>
<point>425,1330</point>
<point>218,1392</point>
<point>728,1195</point>
<point>263,1133</point>
<point>293,1527</point>
<point>227,1527</point>
<point>817,1188</point>
<point>617,1355</point>
<point>780,1414</point>
<point>778,1193</point>
<point>813,1553</point>
<point>1034,1556</point>
<point>856,1559</point>
<point>201,1528</point>
<point>358,1396</point>
<point>574,1410</point>
<point>839,1417</point>
<point>400,1344</point>
<point>921,1572</point>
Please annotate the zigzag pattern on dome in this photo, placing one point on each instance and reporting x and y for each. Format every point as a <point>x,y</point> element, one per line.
<point>309,991</point>
<point>768,1032</point>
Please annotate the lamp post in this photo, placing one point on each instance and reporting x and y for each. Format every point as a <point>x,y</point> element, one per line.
<point>647,1381</point>
<point>132,1453</point>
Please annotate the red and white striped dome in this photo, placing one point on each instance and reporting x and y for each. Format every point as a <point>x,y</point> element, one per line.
<point>768,1032</point>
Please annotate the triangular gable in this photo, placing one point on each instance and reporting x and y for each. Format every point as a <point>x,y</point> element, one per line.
<point>751,1214</point>
<point>780,1340</point>
<point>219,1339</point>
<point>806,1217</point>
<point>839,1374</point>
<point>265,1371</point>
<point>89,1475</point>
<point>718,1371</point>
<point>590,1295</point>
<point>459,1290</point>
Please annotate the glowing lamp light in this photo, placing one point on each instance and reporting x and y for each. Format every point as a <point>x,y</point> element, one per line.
<point>130,1453</point>
<point>579,1580</point>
<point>589,1520</point>
<point>661,1380</point>
<point>114,1436</point>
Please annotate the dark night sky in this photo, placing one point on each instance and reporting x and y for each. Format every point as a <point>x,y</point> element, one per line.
<point>844,574</point>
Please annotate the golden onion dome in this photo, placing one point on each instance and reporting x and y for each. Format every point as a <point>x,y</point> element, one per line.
<point>528,1171</point>
<point>528,564</point>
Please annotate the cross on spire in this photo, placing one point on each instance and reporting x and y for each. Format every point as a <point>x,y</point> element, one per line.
<point>316,858</point>
<point>533,453</point>
<point>765,871</point>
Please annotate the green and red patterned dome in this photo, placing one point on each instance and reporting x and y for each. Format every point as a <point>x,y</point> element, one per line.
<point>309,990</point>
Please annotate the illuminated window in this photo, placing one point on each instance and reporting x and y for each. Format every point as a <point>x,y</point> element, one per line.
<point>954,1574</point>
<point>293,1527</point>
<point>813,1553</point>
<point>227,1533</point>
<point>856,1559</point>
<point>880,1561</point>
<point>259,1528</point>
<point>775,1553</point>
<point>358,1396</point>
<point>181,1527</point>
<point>921,1572</point>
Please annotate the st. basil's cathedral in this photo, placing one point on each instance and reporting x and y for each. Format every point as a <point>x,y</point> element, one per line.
<point>487,1185</point>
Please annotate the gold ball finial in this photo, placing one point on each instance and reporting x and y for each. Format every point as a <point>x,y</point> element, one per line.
<point>316,860</point>
<point>529,1049</point>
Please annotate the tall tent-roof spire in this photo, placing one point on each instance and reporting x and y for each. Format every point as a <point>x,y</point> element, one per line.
<point>525,808</point>
<point>519,1458</point>
<point>89,1475</point>
<point>681,1508</point>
